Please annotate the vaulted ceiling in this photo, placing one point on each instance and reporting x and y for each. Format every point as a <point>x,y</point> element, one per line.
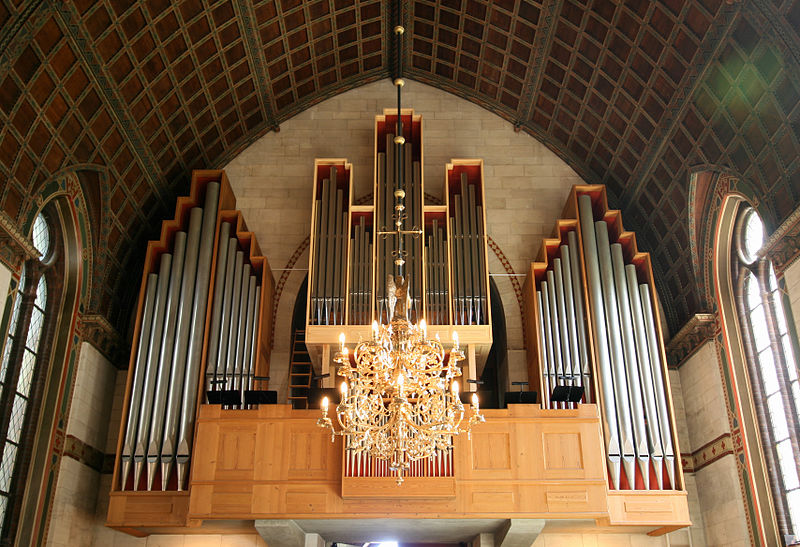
<point>633,94</point>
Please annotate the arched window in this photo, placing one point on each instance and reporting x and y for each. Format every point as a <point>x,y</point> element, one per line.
<point>24,354</point>
<point>771,365</point>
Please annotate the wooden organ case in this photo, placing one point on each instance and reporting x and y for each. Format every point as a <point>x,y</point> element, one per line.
<point>593,323</point>
<point>349,262</point>
<point>203,323</point>
<point>272,461</point>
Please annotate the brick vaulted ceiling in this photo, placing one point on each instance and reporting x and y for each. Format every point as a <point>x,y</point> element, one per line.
<point>633,94</point>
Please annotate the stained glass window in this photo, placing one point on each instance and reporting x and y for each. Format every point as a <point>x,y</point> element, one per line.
<point>773,369</point>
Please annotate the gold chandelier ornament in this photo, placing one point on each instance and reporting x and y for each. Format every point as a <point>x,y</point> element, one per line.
<point>400,398</point>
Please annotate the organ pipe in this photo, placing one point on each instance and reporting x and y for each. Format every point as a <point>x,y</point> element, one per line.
<point>153,353</point>
<point>177,330</point>
<point>216,308</point>
<point>165,359</point>
<point>591,313</point>
<point>139,373</point>
<point>178,363</point>
<point>602,352</point>
<point>654,424</point>
<point>641,447</point>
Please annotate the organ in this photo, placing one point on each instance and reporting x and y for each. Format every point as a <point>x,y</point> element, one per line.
<point>610,459</point>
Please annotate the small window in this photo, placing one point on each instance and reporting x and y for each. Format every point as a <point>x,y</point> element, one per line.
<point>41,236</point>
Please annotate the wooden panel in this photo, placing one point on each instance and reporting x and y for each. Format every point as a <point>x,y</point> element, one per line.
<point>524,462</point>
<point>236,453</point>
<point>134,509</point>
<point>387,488</point>
<point>562,451</point>
<point>648,508</point>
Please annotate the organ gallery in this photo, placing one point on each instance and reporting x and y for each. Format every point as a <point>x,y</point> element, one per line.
<point>360,273</point>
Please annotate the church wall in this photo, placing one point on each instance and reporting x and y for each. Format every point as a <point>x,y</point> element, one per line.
<point>73,519</point>
<point>706,444</point>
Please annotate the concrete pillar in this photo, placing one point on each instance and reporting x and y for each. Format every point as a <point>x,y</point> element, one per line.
<point>286,533</point>
<point>518,533</point>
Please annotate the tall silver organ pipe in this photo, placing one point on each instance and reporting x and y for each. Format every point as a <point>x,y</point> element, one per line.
<point>175,320</point>
<point>437,279</point>
<point>468,248</point>
<point>138,376</point>
<point>165,359</point>
<point>633,396</point>
<point>360,270</point>
<point>233,332</point>
<point>611,430</point>
<point>196,332</point>
<point>660,385</point>
<point>212,361</point>
<point>329,255</point>
<point>562,327</point>
<point>580,316</point>
<point>654,424</point>
<point>618,371</point>
<point>144,412</point>
<point>641,446</point>
<point>176,376</point>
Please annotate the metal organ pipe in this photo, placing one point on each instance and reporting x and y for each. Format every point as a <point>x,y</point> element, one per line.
<point>148,390</point>
<point>140,371</point>
<point>566,359</point>
<point>611,431</point>
<point>646,374</point>
<point>196,331</point>
<point>254,337</point>
<point>216,307</point>
<point>181,346</point>
<point>227,306</point>
<point>631,367</point>
<point>569,304</point>
<point>233,332</point>
<point>241,331</point>
<point>617,356</point>
<point>165,359</point>
<point>558,372</point>
<point>543,364</point>
<point>658,380</point>
<point>577,294</point>
<point>548,338</point>
<point>248,334</point>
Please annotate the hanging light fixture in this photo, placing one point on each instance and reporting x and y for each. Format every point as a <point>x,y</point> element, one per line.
<point>400,397</point>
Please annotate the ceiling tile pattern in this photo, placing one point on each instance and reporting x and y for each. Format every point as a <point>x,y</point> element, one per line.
<point>631,93</point>
<point>314,48</point>
<point>478,47</point>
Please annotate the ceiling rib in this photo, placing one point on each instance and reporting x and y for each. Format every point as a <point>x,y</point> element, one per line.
<point>545,35</point>
<point>246,13</point>
<point>77,34</point>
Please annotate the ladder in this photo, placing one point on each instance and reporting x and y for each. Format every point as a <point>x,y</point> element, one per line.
<point>300,371</point>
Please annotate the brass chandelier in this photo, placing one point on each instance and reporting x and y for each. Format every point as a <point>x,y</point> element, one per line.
<point>400,398</point>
